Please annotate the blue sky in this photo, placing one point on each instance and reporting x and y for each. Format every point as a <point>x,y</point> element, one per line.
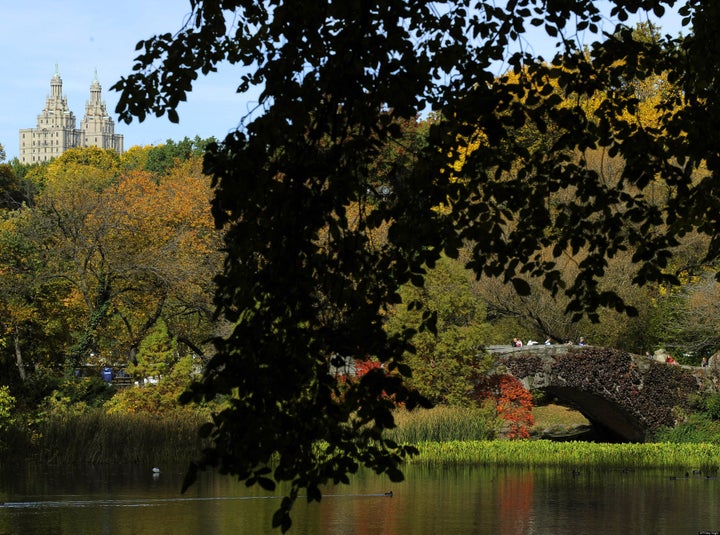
<point>82,36</point>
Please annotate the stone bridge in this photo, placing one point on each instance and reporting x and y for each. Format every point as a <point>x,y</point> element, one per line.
<point>625,397</point>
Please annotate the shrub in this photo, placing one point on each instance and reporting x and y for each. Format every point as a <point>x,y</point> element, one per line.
<point>7,408</point>
<point>513,403</point>
<point>159,398</point>
<point>711,406</point>
<point>698,428</point>
<point>76,395</point>
<point>37,388</point>
<point>702,425</point>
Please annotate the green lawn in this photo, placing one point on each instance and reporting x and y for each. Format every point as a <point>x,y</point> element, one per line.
<point>557,417</point>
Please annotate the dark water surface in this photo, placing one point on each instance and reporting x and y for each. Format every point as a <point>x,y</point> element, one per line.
<point>444,500</point>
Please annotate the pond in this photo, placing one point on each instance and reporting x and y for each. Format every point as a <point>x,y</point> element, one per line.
<point>432,500</point>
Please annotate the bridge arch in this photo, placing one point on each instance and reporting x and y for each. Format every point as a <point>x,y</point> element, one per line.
<point>624,396</point>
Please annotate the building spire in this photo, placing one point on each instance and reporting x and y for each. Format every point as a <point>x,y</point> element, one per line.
<point>56,87</point>
<point>56,131</point>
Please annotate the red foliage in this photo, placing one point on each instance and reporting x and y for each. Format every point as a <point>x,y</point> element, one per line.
<point>364,366</point>
<point>513,402</point>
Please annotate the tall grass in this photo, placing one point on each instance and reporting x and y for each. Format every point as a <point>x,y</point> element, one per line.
<point>536,453</point>
<point>452,435</point>
<point>441,424</point>
<point>443,435</point>
<point>98,437</point>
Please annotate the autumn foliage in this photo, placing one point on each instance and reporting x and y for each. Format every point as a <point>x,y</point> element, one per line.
<point>106,251</point>
<point>512,400</point>
<point>364,366</point>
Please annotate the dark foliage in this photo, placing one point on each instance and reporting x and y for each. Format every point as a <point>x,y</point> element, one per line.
<point>304,283</point>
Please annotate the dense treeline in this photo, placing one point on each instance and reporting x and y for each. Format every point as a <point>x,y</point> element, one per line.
<point>109,260</point>
<point>105,261</point>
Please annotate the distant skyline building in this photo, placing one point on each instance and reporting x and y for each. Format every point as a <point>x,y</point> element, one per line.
<point>56,129</point>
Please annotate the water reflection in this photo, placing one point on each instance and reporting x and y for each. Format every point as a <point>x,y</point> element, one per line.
<point>460,499</point>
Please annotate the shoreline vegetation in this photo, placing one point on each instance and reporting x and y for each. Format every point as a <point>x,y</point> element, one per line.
<point>443,436</point>
<point>97,437</point>
<point>547,453</point>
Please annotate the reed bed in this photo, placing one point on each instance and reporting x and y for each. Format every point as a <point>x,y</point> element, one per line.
<point>97,437</point>
<point>443,436</point>
<point>441,424</point>
<point>537,453</point>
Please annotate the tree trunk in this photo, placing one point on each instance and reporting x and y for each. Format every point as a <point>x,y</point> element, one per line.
<point>132,354</point>
<point>18,354</point>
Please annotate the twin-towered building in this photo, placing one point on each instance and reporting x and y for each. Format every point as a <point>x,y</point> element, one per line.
<point>56,131</point>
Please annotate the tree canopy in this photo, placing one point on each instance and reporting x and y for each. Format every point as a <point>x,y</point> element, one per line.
<point>98,255</point>
<point>305,284</point>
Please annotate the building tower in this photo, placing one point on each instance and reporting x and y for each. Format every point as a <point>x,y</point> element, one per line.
<point>56,131</point>
<point>97,128</point>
